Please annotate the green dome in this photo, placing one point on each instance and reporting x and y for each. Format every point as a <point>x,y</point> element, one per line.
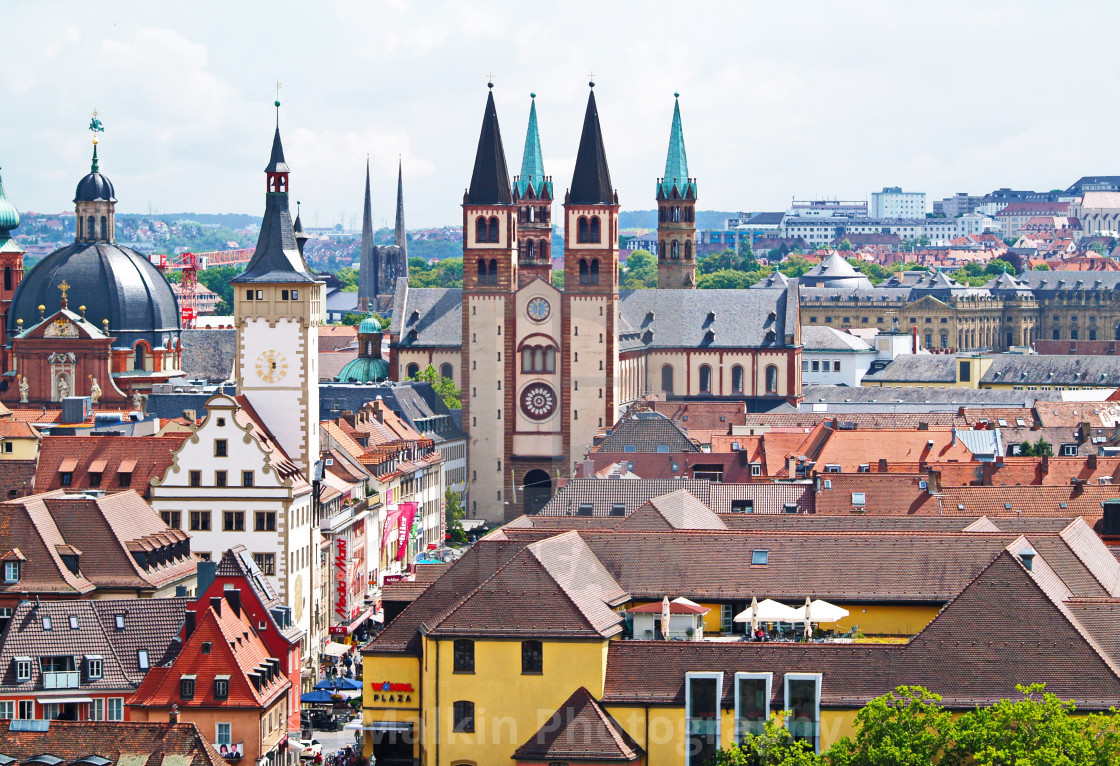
<point>369,324</point>
<point>364,370</point>
<point>9,216</point>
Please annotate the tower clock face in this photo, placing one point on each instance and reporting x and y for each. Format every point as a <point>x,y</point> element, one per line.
<point>538,401</point>
<point>271,366</point>
<point>539,309</point>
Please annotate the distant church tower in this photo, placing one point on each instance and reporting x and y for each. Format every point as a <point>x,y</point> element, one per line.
<point>532,191</point>
<point>676,214</point>
<point>379,267</point>
<point>11,265</point>
<point>278,308</point>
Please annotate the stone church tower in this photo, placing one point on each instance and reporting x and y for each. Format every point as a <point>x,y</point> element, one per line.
<point>380,266</point>
<point>676,214</point>
<point>532,191</point>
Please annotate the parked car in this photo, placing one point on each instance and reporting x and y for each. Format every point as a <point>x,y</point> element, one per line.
<point>311,748</point>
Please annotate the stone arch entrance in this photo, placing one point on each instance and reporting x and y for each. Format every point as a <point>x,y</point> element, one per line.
<point>537,490</point>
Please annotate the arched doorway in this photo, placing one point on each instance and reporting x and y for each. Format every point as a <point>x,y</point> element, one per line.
<point>537,490</point>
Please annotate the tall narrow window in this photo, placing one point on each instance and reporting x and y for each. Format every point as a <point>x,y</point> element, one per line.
<point>596,232</point>
<point>532,657</point>
<point>138,362</point>
<point>446,371</point>
<point>771,379</point>
<point>667,378</point>
<point>483,272</point>
<point>594,277</point>
<point>688,251</point>
<point>752,703</point>
<point>583,272</point>
<point>91,231</point>
<point>583,230</point>
<point>494,234</point>
<point>7,277</point>
<point>463,656</point>
<point>480,229</point>
<point>737,379</point>
<point>493,271</point>
<point>803,707</point>
<point>463,716</point>
<point>104,228</point>
<point>530,249</point>
<point>702,697</point>
<point>675,251</point>
<point>705,379</point>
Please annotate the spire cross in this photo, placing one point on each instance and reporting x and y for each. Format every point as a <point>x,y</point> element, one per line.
<point>62,288</point>
<point>591,78</point>
<point>490,80</point>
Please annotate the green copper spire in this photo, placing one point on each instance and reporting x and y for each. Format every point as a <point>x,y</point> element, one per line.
<point>676,162</point>
<point>9,219</point>
<point>532,163</point>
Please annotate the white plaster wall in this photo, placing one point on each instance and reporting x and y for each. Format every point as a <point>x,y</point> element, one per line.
<point>588,386</point>
<point>486,350</point>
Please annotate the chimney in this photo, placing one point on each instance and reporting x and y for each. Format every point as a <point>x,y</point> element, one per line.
<point>216,604</point>
<point>1045,464</point>
<point>173,716</point>
<point>233,596</point>
<point>882,465</point>
<point>190,415</point>
<point>1091,461</point>
<point>205,574</point>
<point>954,442</point>
<point>348,416</point>
<point>189,620</point>
<point>1085,432</point>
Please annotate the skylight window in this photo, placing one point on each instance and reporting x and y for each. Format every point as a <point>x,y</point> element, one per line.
<point>760,557</point>
<point>859,498</point>
<point>73,622</point>
<point>142,659</point>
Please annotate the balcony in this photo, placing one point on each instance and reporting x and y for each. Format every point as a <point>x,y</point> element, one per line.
<point>61,680</point>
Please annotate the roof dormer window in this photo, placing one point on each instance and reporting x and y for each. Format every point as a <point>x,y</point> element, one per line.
<point>11,571</point>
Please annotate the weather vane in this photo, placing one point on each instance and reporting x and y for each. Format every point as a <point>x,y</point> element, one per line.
<point>95,126</point>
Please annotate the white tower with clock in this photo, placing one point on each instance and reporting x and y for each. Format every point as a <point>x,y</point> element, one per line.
<point>278,304</point>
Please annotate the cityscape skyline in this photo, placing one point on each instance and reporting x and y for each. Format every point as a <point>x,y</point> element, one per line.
<point>184,98</point>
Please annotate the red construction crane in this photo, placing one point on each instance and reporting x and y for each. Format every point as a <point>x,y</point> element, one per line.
<point>190,264</point>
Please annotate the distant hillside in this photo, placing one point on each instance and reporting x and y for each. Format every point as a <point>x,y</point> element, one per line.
<point>229,220</point>
<point>647,219</point>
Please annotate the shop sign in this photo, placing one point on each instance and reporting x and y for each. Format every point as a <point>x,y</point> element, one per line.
<point>342,585</point>
<point>386,691</point>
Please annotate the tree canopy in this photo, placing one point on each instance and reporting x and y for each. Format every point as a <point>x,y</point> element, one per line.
<point>445,388</point>
<point>640,271</point>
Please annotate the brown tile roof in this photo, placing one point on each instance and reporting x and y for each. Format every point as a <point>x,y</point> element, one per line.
<point>602,494</point>
<point>893,493</point>
<point>410,590</point>
<point>16,429</point>
<point>580,730</point>
<point>850,449</point>
<point>710,416</point>
<point>336,337</point>
<point>646,432</point>
<point>138,742</point>
<point>1065,501</point>
<point>17,478</point>
<point>150,456</point>
<point>677,510</point>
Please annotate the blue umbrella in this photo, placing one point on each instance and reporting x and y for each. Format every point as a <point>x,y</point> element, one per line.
<point>339,684</point>
<point>319,696</point>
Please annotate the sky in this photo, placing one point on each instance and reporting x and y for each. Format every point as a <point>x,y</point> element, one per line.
<point>779,100</point>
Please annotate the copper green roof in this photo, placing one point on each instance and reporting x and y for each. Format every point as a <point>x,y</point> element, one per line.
<point>532,163</point>
<point>676,162</point>
<point>364,370</point>
<point>369,324</point>
<point>9,216</point>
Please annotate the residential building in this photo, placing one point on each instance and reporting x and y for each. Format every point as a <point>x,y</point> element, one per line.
<point>892,202</point>
<point>828,208</point>
<point>106,463</point>
<point>1014,217</point>
<point>90,546</point>
<point>833,358</point>
<point>83,660</point>
<point>117,743</point>
<point>959,204</point>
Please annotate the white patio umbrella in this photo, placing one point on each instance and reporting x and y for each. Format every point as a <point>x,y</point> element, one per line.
<point>807,614</point>
<point>768,610</point>
<point>822,611</point>
<point>665,618</point>
<point>754,615</point>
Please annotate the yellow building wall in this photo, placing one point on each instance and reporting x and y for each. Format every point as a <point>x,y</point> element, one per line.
<point>509,707</point>
<point>379,705</point>
<point>661,730</point>
<point>22,449</point>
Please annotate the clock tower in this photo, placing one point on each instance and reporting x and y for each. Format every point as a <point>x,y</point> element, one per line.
<point>278,306</point>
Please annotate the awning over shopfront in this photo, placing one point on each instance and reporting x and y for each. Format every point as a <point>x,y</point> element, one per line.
<point>335,649</point>
<point>337,630</point>
<point>64,700</point>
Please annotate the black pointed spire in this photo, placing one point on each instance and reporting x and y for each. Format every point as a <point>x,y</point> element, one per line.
<point>401,232</point>
<point>276,163</point>
<point>591,182</point>
<point>490,180</point>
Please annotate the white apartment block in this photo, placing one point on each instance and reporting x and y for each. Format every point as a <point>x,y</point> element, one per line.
<point>892,202</point>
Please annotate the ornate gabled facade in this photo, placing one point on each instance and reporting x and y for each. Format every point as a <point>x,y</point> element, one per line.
<point>380,266</point>
<point>543,370</point>
<point>676,214</point>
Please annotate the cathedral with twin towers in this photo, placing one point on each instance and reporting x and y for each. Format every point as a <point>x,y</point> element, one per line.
<point>543,368</point>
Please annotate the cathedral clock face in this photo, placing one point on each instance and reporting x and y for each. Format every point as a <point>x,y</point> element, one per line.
<point>539,309</point>
<point>271,366</point>
<point>538,401</point>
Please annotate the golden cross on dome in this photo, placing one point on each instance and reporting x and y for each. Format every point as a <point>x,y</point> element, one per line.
<point>62,288</point>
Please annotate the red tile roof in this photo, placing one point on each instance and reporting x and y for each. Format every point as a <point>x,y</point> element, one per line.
<point>150,456</point>
<point>580,730</point>
<point>138,742</point>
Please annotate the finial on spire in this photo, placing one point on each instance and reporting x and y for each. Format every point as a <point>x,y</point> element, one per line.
<point>591,78</point>
<point>532,95</point>
<point>490,81</point>
<point>676,95</point>
<point>95,127</point>
<point>276,103</point>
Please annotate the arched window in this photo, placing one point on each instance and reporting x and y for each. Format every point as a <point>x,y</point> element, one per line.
<point>544,249</point>
<point>676,215</point>
<point>550,359</point>
<point>688,253</point>
<point>771,379</point>
<point>138,360</point>
<point>104,227</point>
<point>493,271</point>
<point>676,251</point>
<point>660,215</point>
<point>583,234</point>
<point>594,277</point>
<point>596,233</point>
<point>493,229</point>
<point>737,379</point>
<point>584,278</point>
<point>480,231</point>
<point>91,231</point>
<point>412,370</point>
<point>483,274</point>
<point>79,227</point>
<point>447,371</point>
<point>538,359</point>
<point>527,359</point>
<point>530,249</point>
<point>705,379</point>
<point>7,277</point>
<point>667,378</point>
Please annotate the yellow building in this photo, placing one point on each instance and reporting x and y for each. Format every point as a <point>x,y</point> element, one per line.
<point>18,440</point>
<point>519,652</point>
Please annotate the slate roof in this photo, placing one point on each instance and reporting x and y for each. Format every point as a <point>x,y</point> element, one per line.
<point>435,314</point>
<point>698,319</point>
<point>828,339</point>
<point>580,730</point>
<point>490,179</point>
<point>601,494</point>
<point>646,432</point>
<point>1053,370</point>
<point>124,743</point>
<point>209,354</point>
<point>916,368</point>
<point>919,397</point>
<point>591,178</point>
<point>150,624</point>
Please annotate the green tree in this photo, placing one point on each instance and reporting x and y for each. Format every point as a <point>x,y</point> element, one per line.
<point>354,318</point>
<point>795,266</point>
<point>216,279</point>
<point>725,279</point>
<point>445,388</point>
<point>1097,247</point>
<point>1042,267</point>
<point>455,512</point>
<point>558,279</point>
<point>446,273</point>
<point>845,245</point>
<point>774,747</point>
<point>1040,448</point>
<point>746,254</point>
<point>349,279</point>
<point>906,727</point>
<point>640,271</point>
<point>998,266</point>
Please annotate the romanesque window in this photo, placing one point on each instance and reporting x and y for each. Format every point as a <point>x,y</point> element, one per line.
<point>412,370</point>
<point>594,275</point>
<point>480,229</point>
<point>584,272</point>
<point>493,271</point>
<point>705,379</point>
<point>667,378</point>
<point>493,234</point>
<point>596,234</point>
<point>446,370</point>
<point>530,249</point>
<point>771,379</point>
<point>538,359</point>
<point>688,251</point>
<point>676,249</point>
<point>583,230</point>
<point>7,277</point>
<point>737,379</point>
